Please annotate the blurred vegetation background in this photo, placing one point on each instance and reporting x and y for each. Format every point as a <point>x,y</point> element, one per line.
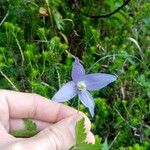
<point>40,38</point>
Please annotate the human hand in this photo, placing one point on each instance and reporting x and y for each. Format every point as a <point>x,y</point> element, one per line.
<point>56,122</point>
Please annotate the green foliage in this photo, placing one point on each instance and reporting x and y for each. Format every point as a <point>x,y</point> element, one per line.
<point>105,145</point>
<point>38,40</point>
<point>29,131</point>
<point>80,136</point>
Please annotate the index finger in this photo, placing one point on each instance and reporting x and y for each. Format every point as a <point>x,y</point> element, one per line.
<point>26,105</point>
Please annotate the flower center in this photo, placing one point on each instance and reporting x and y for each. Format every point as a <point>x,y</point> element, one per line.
<point>81,86</point>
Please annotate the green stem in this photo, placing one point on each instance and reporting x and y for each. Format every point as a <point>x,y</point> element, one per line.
<point>50,15</point>
<point>5,76</point>
<point>78,106</point>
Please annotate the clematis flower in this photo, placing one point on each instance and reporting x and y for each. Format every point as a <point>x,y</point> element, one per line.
<point>81,84</point>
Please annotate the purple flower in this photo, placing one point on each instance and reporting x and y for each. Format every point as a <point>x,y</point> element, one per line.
<point>81,84</point>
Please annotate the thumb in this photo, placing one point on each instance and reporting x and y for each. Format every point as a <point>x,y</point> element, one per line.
<point>59,136</point>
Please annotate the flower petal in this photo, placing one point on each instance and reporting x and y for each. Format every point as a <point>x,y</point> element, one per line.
<point>67,92</point>
<point>98,80</point>
<point>91,111</point>
<point>77,70</point>
<point>87,100</point>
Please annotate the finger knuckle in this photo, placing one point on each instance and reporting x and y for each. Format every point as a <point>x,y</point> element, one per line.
<point>33,111</point>
<point>55,138</point>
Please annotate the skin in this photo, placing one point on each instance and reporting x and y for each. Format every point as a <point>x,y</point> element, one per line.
<point>56,122</point>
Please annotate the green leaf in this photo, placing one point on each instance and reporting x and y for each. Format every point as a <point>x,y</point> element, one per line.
<point>80,133</point>
<point>23,133</point>
<point>29,124</point>
<point>29,131</point>
<point>87,146</point>
<point>111,4</point>
<point>80,136</point>
<point>105,145</point>
<point>58,19</point>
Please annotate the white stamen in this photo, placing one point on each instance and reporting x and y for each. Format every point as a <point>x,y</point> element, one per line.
<point>81,86</point>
